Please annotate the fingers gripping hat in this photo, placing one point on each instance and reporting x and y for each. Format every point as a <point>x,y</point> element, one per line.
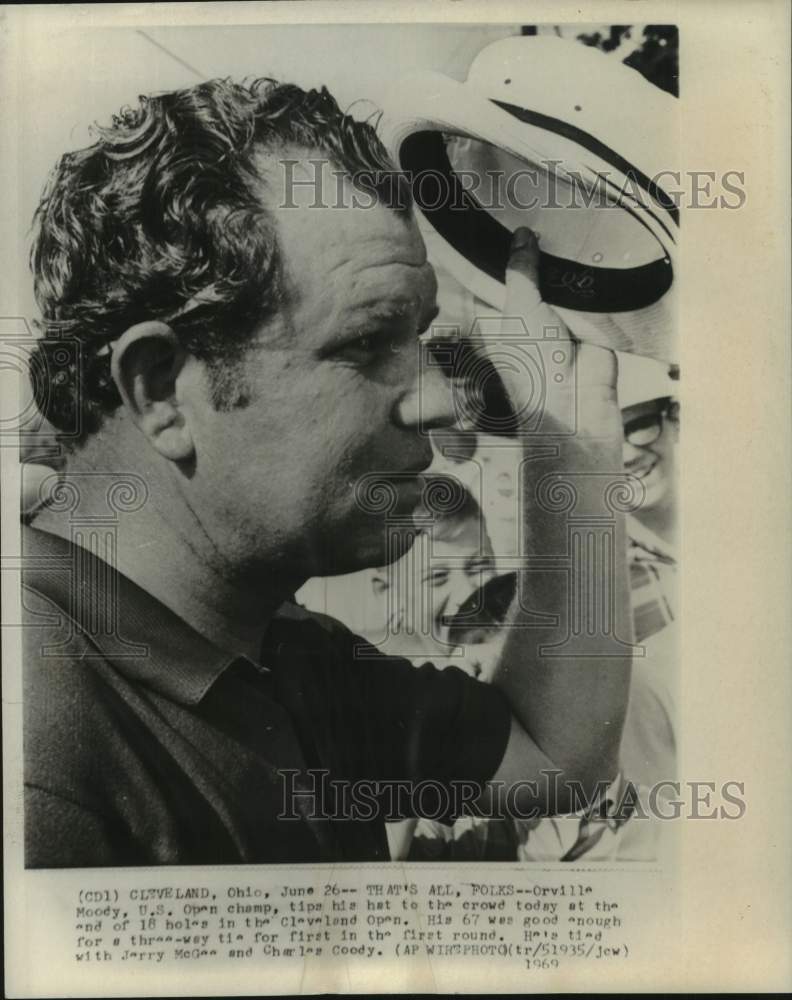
<point>554,135</point>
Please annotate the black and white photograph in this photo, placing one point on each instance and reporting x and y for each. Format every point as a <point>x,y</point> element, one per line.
<point>348,534</point>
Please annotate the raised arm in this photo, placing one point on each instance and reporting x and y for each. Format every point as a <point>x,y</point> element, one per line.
<point>565,666</point>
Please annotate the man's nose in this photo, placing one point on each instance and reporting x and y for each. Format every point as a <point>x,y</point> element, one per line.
<point>429,403</point>
<point>459,590</point>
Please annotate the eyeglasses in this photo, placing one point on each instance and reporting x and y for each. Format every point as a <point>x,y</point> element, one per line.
<point>645,429</point>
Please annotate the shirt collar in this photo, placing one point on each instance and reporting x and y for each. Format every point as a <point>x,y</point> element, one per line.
<point>145,641</point>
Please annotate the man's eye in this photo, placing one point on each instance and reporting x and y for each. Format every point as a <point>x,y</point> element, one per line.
<point>475,567</point>
<point>363,349</point>
<point>437,577</point>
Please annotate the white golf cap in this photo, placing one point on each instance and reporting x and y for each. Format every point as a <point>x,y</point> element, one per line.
<point>554,135</point>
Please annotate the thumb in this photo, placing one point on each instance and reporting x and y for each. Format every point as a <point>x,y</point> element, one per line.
<point>522,273</point>
<point>524,253</point>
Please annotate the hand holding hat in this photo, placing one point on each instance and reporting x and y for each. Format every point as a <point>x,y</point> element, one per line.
<point>532,138</point>
<point>577,381</point>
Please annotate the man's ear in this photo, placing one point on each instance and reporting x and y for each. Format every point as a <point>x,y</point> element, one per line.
<point>146,361</point>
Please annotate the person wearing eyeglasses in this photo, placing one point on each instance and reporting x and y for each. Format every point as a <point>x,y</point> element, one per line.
<point>650,418</point>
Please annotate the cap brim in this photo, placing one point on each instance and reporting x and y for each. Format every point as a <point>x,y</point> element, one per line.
<point>603,295</point>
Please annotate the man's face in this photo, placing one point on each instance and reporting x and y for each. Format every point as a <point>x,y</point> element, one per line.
<point>333,385</point>
<point>650,438</point>
<point>458,569</point>
<point>437,577</point>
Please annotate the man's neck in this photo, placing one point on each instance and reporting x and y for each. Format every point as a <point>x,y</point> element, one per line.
<point>171,557</point>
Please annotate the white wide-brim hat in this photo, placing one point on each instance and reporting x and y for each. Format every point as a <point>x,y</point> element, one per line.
<point>542,124</point>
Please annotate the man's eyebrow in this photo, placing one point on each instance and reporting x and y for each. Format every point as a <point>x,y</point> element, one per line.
<point>393,309</point>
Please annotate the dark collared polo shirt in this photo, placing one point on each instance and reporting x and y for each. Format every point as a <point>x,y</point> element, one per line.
<point>145,744</point>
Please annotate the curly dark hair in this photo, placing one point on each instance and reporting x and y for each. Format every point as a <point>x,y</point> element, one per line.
<point>164,215</point>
